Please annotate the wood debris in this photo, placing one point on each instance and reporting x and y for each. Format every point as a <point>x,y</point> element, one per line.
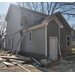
<point>8,64</point>
<point>16,58</point>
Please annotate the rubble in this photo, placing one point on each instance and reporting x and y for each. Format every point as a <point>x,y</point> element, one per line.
<point>15,65</point>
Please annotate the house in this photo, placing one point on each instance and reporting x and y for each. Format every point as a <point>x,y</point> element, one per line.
<point>45,34</point>
<point>73,40</point>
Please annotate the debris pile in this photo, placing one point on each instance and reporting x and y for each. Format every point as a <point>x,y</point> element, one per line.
<point>7,60</point>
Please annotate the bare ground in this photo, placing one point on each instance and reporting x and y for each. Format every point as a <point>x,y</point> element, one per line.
<point>69,67</point>
<point>17,68</point>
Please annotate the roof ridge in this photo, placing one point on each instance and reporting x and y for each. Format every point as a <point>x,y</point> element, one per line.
<point>30,10</point>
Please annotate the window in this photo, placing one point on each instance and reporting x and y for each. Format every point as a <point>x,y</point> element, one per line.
<point>30,36</point>
<point>9,41</point>
<point>68,40</point>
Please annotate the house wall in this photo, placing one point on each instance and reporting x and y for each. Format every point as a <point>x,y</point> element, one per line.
<point>13,25</point>
<point>63,33</point>
<point>73,43</point>
<point>37,46</point>
<point>52,30</point>
<point>32,16</point>
<point>14,22</point>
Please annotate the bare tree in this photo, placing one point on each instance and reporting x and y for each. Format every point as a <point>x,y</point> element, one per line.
<point>3,25</point>
<point>73,26</point>
<point>50,7</point>
<point>67,9</point>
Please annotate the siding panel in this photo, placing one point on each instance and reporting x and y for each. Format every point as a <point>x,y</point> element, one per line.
<point>38,42</point>
<point>63,32</point>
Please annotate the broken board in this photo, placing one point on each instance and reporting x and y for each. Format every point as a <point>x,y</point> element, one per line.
<point>8,64</point>
<point>48,63</point>
<point>16,58</point>
<point>1,59</point>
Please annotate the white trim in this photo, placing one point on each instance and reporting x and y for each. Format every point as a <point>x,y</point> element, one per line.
<point>45,23</point>
<point>31,36</point>
<point>66,40</point>
<point>36,27</point>
<point>58,22</point>
<point>59,35</point>
<point>46,41</point>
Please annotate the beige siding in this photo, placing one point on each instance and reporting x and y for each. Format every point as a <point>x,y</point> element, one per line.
<point>37,45</point>
<point>13,25</point>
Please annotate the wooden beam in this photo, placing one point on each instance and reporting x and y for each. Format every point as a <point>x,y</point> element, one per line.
<point>16,58</point>
<point>7,63</point>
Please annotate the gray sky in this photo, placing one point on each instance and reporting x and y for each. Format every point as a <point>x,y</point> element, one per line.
<point>5,5</point>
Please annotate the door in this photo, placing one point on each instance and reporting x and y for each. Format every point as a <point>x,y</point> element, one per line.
<point>53,53</point>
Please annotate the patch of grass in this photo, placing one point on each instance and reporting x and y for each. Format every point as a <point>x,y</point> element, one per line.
<point>70,59</point>
<point>73,48</point>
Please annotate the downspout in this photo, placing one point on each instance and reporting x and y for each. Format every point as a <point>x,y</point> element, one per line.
<point>59,44</point>
<point>46,40</point>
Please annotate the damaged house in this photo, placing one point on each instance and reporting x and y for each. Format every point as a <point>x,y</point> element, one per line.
<point>44,35</point>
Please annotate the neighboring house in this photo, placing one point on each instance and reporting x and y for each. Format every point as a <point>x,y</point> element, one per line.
<point>73,39</point>
<point>43,35</point>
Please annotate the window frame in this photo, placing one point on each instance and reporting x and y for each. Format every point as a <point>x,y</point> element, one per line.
<point>29,36</point>
<point>67,40</point>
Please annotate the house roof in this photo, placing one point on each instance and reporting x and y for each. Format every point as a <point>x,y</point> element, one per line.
<point>13,5</point>
<point>66,23</point>
<point>58,13</point>
<point>36,23</point>
<point>50,18</point>
<point>42,20</point>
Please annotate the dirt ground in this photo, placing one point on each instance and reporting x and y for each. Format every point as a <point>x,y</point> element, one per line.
<point>17,68</point>
<point>67,67</point>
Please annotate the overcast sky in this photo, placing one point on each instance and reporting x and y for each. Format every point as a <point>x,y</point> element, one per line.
<point>4,7</point>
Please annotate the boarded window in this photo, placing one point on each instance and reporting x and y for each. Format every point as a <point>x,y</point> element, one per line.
<point>30,36</point>
<point>68,40</point>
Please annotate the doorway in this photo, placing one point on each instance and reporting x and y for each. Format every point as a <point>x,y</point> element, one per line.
<point>53,53</point>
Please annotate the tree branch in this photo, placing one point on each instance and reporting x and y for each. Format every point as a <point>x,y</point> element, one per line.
<point>67,13</point>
